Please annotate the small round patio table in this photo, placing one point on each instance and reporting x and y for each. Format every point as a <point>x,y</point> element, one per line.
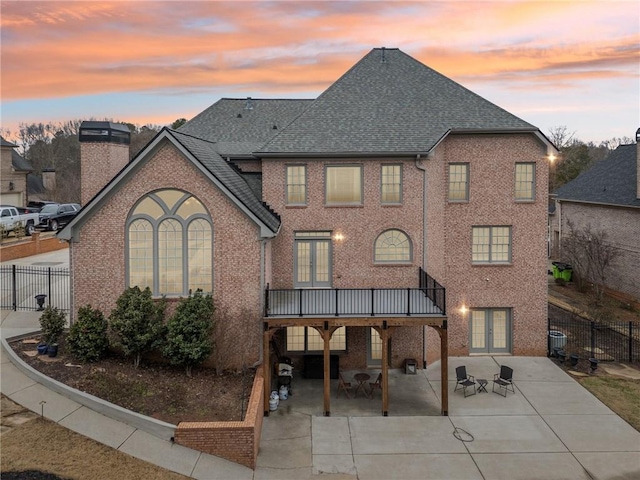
<point>362,379</point>
<point>482,385</point>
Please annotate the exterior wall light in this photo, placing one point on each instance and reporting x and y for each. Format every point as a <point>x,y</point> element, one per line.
<point>552,157</point>
<point>464,309</point>
<point>338,237</point>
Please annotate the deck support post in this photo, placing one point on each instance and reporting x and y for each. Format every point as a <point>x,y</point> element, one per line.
<point>385,369</point>
<point>326,336</point>
<point>266,337</point>
<point>444,368</point>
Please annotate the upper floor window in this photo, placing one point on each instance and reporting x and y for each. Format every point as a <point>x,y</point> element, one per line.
<point>343,185</point>
<point>169,243</point>
<point>392,246</point>
<point>458,182</point>
<point>391,184</point>
<point>525,181</point>
<point>491,245</point>
<point>296,184</point>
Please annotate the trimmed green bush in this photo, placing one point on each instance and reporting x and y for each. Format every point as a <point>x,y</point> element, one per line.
<point>137,323</point>
<point>188,340</point>
<point>52,323</point>
<point>87,338</point>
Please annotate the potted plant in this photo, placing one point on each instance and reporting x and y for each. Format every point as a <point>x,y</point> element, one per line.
<point>52,323</point>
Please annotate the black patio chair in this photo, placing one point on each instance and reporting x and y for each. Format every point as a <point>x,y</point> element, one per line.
<point>463,381</point>
<point>504,380</point>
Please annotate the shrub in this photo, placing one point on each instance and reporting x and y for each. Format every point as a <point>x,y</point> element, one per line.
<point>52,322</point>
<point>137,323</point>
<point>88,335</point>
<point>188,340</point>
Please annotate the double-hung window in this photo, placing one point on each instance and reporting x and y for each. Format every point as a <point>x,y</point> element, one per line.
<point>491,244</point>
<point>525,181</point>
<point>458,182</point>
<point>391,184</point>
<point>343,185</point>
<point>296,185</point>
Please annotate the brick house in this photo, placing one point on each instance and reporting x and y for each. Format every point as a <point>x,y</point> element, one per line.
<point>607,198</point>
<point>395,186</point>
<point>15,168</point>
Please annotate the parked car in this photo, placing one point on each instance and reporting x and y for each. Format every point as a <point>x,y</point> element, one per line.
<point>36,205</point>
<point>11,218</point>
<point>56,215</point>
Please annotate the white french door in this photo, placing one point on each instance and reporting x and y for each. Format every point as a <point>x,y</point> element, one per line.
<point>490,330</point>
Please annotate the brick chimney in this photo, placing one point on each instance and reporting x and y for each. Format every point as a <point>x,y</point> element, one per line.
<point>104,151</point>
<point>638,163</point>
<point>49,179</point>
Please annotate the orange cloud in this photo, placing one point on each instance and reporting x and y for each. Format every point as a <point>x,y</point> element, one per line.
<point>59,49</point>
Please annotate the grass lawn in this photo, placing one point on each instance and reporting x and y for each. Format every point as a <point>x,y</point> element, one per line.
<point>42,445</point>
<point>620,394</point>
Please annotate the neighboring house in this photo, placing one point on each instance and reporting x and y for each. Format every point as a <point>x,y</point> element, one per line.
<point>606,198</point>
<point>14,173</point>
<point>395,201</point>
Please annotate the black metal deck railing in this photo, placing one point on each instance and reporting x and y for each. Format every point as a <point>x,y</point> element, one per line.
<point>428,300</point>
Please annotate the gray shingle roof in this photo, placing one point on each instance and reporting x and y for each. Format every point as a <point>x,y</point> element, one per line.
<point>611,181</point>
<point>239,130</point>
<point>4,143</point>
<point>398,105</point>
<point>205,152</point>
<point>19,163</point>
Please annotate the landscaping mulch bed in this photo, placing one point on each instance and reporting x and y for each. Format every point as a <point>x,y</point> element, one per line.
<point>153,389</point>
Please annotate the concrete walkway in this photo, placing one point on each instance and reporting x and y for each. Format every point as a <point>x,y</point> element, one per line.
<point>551,428</point>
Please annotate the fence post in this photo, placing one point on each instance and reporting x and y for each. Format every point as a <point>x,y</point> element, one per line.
<point>548,337</point>
<point>15,288</point>
<point>593,339</point>
<point>49,281</point>
<point>630,341</point>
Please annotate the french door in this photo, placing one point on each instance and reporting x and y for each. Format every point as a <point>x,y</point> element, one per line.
<point>490,330</point>
<point>312,263</point>
<point>374,348</point>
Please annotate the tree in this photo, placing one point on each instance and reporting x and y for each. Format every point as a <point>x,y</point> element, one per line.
<point>137,323</point>
<point>188,340</point>
<point>561,137</point>
<point>87,338</point>
<point>574,160</point>
<point>590,256</point>
<point>178,123</point>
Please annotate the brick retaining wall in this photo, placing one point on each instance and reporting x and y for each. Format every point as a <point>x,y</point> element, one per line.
<point>31,246</point>
<point>235,441</point>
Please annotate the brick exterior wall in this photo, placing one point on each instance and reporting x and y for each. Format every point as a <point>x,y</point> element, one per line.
<point>99,163</point>
<point>98,259</point>
<point>622,226</point>
<point>235,441</point>
<point>353,256</point>
<point>520,286</point>
<point>8,174</point>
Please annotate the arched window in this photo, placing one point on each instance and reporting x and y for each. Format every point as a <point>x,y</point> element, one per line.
<point>392,246</point>
<point>169,244</point>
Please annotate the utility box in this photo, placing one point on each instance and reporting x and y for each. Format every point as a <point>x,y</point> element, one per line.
<point>410,366</point>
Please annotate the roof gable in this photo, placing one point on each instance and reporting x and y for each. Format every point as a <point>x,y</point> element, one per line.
<point>203,155</point>
<point>611,181</point>
<point>389,103</point>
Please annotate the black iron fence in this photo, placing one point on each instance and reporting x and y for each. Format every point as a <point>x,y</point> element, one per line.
<point>33,288</point>
<point>611,341</point>
<point>433,290</point>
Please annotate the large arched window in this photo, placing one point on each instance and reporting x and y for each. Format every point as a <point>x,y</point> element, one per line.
<point>392,246</point>
<point>169,244</point>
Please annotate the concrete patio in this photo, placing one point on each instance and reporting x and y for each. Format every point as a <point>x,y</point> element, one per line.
<point>551,428</point>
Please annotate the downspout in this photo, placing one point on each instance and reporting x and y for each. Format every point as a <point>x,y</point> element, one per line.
<point>424,247</point>
<point>260,360</point>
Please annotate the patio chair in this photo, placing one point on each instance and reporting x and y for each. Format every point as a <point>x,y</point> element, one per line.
<point>342,385</point>
<point>504,380</point>
<point>377,385</point>
<point>463,381</point>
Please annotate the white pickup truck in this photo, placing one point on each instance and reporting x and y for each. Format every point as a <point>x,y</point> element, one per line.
<point>11,218</point>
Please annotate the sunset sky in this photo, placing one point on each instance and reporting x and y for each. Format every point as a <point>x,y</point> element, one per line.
<point>552,63</point>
